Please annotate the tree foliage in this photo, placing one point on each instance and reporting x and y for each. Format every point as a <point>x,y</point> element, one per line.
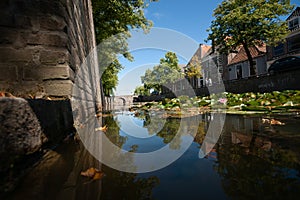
<point>110,77</point>
<point>168,71</point>
<point>194,70</point>
<point>141,90</point>
<point>112,17</point>
<point>116,18</point>
<point>248,23</point>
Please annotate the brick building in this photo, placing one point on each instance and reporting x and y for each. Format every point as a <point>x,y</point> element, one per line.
<point>291,46</point>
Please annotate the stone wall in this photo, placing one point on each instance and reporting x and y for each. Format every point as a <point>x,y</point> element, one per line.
<point>42,46</point>
<point>47,49</point>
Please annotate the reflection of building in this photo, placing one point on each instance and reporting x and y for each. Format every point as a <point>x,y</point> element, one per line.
<point>291,46</point>
<point>247,132</point>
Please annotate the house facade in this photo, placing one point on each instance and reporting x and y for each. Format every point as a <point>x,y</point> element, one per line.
<point>239,67</point>
<point>218,67</point>
<point>291,46</point>
<point>234,66</point>
<point>202,51</point>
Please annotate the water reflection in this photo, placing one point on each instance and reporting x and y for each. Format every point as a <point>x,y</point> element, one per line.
<point>257,160</point>
<point>120,185</point>
<point>251,160</point>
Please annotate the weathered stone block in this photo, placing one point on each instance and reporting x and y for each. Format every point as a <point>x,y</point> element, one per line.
<point>47,72</point>
<point>8,36</point>
<point>20,131</point>
<point>52,7</point>
<point>22,21</point>
<point>48,39</point>
<point>8,72</point>
<point>52,23</point>
<point>8,54</point>
<point>58,87</point>
<point>54,57</point>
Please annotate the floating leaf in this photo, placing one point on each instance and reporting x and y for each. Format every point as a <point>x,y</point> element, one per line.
<point>89,172</point>
<point>272,122</point>
<point>276,122</point>
<point>98,175</point>
<point>93,173</point>
<point>104,128</point>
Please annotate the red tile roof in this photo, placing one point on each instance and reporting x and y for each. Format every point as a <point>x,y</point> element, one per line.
<point>201,52</point>
<point>241,56</point>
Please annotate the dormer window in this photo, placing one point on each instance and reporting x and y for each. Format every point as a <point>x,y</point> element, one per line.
<point>294,23</point>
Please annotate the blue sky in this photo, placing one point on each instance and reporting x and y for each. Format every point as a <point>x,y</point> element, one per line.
<point>190,18</point>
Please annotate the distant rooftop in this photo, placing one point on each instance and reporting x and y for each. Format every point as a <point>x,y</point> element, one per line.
<point>241,56</point>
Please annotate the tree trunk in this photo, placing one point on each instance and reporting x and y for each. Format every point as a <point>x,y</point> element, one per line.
<point>250,59</point>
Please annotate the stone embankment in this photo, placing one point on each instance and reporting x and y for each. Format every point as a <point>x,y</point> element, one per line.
<point>43,45</point>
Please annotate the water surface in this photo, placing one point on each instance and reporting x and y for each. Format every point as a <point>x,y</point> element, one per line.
<point>253,159</point>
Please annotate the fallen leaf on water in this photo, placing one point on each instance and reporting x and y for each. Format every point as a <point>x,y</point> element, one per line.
<point>93,173</point>
<point>276,122</point>
<point>104,128</point>
<point>98,175</point>
<point>89,172</point>
<point>272,122</point>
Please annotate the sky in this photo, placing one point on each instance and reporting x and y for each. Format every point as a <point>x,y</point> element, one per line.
<point>175,24</point>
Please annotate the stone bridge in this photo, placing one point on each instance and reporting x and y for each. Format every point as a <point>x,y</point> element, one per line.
<point>124,100</point>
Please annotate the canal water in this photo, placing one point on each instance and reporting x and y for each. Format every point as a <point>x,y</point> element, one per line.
<point>255,157</point>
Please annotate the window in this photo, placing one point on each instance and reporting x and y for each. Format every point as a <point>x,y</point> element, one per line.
<point>294,24</point>
<point>293,43</point>
<point>278,50</point>
<point>239,72</point>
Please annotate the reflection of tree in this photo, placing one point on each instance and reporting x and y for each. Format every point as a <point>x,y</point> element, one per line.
<point>169,130</point>
<point>113,132</point>
<point>121,185</point>
<point>200,133</point>
<point>153,124</point>
<point>174,126</point>
<point>249,171</point>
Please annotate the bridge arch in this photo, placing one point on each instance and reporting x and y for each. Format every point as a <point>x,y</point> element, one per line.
<point>125,100</point>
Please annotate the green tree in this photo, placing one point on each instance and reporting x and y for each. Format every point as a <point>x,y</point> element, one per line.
<point>171,61</point>
<point>248,23</point>
<point>194,71</point>
<point>110,77</point>
<point>141,90</point>
<point>194,67</point>
<point>116,18</point>
<point>168,71</point>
